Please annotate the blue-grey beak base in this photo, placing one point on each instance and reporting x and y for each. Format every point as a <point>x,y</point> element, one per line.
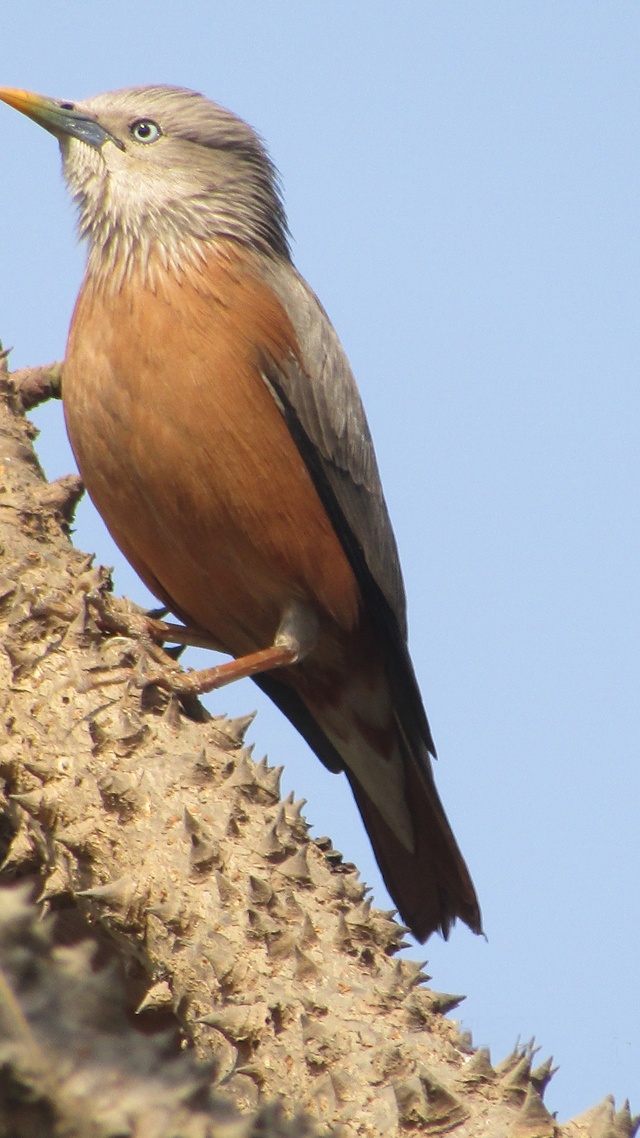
<point>62,121</point>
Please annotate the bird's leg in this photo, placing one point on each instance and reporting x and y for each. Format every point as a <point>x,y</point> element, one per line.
<point>295,638</point>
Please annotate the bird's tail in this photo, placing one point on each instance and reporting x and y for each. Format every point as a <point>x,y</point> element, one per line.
<point>358,728</point>
<point>430,884</point>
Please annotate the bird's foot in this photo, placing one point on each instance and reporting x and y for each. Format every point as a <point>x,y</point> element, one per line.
<point>295,637</point>
<point>157,667</point>
<point>149,629</point>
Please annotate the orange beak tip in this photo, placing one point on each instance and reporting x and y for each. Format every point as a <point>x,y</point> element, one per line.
<point>24,101</point>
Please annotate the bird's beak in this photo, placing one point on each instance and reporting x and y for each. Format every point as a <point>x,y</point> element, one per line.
<point>59,118</point>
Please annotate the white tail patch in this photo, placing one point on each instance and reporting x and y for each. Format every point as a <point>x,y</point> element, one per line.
<point>362,727</point>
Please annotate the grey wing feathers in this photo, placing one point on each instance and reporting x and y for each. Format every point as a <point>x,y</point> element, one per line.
<point>330,413</point>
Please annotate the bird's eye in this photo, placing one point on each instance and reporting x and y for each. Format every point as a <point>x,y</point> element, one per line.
<point>145,130</point>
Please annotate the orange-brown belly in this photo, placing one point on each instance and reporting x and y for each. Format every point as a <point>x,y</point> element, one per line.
<point>188,459</point>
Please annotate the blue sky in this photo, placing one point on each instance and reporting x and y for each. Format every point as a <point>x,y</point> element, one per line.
<point>461,182</point>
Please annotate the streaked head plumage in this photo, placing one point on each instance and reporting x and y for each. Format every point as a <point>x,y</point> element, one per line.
<point>174,173</point>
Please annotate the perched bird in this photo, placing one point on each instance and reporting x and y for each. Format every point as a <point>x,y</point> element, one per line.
<point>219,431</point>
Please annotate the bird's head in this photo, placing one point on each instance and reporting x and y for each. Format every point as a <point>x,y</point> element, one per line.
<point>161,169</point>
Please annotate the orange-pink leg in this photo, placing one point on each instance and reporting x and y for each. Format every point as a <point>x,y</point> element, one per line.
<point>207,679</point>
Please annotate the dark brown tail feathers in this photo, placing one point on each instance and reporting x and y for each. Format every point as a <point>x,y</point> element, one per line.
<point>430,887</point>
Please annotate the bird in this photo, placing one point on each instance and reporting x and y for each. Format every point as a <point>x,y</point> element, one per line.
<point>219,431</point>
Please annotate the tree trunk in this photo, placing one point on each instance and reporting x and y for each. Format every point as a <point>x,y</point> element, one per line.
<point>143,824</point>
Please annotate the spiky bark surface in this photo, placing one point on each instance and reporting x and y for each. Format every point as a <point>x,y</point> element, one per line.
<point>154,832</point>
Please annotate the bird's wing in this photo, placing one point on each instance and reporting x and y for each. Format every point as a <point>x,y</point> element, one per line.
<point>318,395</point>
<point>323,399</point>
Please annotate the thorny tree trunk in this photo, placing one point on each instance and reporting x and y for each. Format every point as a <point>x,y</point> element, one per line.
<point>152,832</point>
